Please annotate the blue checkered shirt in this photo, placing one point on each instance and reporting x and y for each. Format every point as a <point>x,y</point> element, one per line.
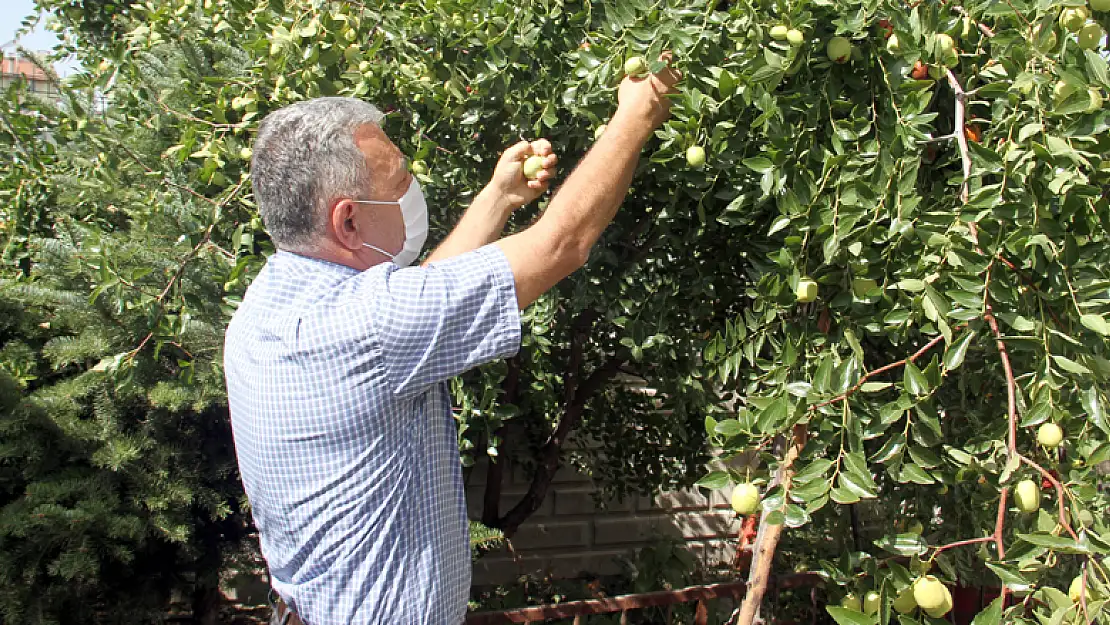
<point>337,382</point>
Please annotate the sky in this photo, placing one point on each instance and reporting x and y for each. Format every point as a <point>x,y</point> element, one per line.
<point>11,17</point>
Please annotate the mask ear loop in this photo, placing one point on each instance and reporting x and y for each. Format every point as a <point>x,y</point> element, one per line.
<point>375,247</point>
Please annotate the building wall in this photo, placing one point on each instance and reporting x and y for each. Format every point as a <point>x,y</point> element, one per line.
<point>13,68</point>
<point>570,534</point>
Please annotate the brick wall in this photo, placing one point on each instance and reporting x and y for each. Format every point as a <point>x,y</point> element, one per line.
<point>570,534</point>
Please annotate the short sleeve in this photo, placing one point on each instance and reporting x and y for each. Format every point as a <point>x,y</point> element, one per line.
<point>436,322</point>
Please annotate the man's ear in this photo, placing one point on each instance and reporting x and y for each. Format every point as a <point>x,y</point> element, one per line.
<point>342,225</point>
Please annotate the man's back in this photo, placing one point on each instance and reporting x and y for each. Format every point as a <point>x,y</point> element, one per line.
<point>344,433</point>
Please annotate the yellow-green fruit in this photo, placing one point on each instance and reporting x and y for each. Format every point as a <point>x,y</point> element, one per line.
<point>1073,18</point>
<point>1061,91</point>
<point>946,46</point>
<point>778,33</point>
<point>636,66</point>
<point>1090,36</point>
<point>871,602</point>
<point>851,602</point>
<point>1076,589</point>
<point>1100,5</point>
<point>695,156</point>
<point>795,37</point>
<point>1086,519</point>
<point>806,291</point>
<point>533,165</point>
<point>245,154</point>
<point>599,131</point>
<point>1050,435</point>
<point>457,21</point>
<point>915,527</point>
<point>1049,43</point>
<point>419,168</point>
<point>944,608</point>
<point>929,592</point>
<point>893,44</point>
<point>1027,496</point>
<point>1096,100</point>
<point>905,603</point>
<point>745,498</point>
<point>839,50</point>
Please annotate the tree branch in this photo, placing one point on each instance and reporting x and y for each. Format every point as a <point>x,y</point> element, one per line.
<point>768,538</point>
<point>551,452</point>
<point>894,365</point>
<point>495,467</point>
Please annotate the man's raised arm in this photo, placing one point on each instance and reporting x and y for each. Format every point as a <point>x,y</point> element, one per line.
<point>559,243</point>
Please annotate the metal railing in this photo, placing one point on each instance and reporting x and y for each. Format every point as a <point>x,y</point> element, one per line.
<point>625,603</point>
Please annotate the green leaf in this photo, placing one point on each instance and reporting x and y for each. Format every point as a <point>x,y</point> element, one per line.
<point>903,544</point>
<point>954,356</point>
<point>843,495</point>
<point>729,427</point>
<point>1096,323</point>
<point>1009,575</point>
<point>1056,543</point>
<point>844,616</point>
<point>1070,365</point>
<point>713,481</point>
<point>991,615</point>
<point>758,163</point>
<point>875,387</point>
<point>914,380</point>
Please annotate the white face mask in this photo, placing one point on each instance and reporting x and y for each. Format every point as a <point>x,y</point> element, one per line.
<point>414,210</point>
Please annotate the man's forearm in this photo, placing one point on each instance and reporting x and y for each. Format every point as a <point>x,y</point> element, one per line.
<point>482,223</point>
<point>589,199</point>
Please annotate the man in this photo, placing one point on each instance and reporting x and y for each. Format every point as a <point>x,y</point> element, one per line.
<point>337,359</point>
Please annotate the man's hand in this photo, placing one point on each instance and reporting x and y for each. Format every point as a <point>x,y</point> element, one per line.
<point>644,98</point>
<point>508,179</point>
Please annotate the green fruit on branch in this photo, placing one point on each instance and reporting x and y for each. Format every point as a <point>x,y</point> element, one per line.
<point>1027,496</point>
<point>806,291</point>
<point>929,593</point>
<point>915,527</point>
<point>745,498</point>
<point>946,46</point>
<point>1090,36</point>
<point>944,608</point>
<point>532,166</point>
<point>246,154</point>
<point>1075,590</point>
<point>1073,18</point>
<point>1050,40</point>
<point>695,156</point>
<point>419,168</point>
<point>1061,90</point>
<point>871,602</point>
<point>779,31</point>
<point>1086,519</point>
<point>1050,435</point>
<point>600,130</point>
<point>839,50</point>
<point>851,602</point>
<point>894,45</point>
<point>905,603</point>
<point>636,66</point>
<point>795,37</point>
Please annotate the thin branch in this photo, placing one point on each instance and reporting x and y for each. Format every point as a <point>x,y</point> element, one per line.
<point>1060,509</point>
<point>894,365</point>
<point>961,132</point>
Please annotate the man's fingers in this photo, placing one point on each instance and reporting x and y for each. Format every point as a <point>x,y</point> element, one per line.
<point>541,147</point>
<point>550,161</point>
<point>518,151</point>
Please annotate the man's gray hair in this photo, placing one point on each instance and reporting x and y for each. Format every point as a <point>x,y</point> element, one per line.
<point>304,157</point>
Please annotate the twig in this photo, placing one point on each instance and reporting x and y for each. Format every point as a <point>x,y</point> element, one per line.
<point>894,365</point>
<point>1060,510</point>
<point>961,132</point>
